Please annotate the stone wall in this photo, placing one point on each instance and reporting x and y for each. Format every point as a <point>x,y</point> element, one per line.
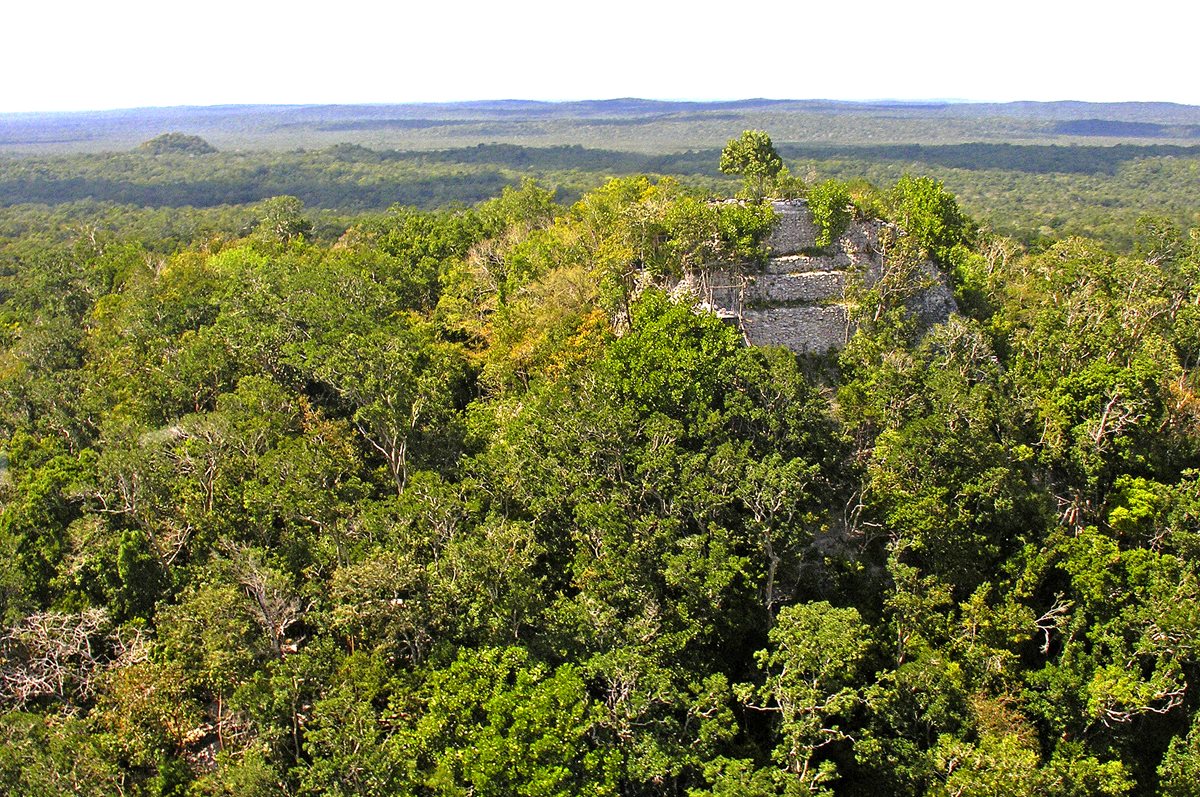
<point>798,298</point>
<point>795,231</point>
<point>805,329</point>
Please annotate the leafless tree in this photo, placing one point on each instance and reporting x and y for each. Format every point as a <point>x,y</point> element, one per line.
<point>62,655</point>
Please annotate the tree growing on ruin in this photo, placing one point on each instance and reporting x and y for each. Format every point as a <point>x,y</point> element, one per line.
<point>753,156</point>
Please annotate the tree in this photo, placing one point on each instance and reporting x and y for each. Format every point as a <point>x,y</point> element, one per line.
<point>404,388</point>
<point>44,756</point>
<point>811,669</point>
<point>281,219</point>
<point>929,213</point>
<point>1179,772</point>
<point>61,657</point>
<point>829,203</point>
<point>496,722</point>
<point>753,156</point>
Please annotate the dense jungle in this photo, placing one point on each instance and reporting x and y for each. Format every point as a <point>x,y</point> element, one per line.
<point>362,471</point>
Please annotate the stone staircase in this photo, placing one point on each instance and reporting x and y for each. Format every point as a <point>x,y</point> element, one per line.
<point>798,298</point>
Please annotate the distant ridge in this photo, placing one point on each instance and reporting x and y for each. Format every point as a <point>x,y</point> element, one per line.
<point>626,105</point>
<point>656,126</point>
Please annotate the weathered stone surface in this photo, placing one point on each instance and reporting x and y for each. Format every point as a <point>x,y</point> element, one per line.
<point>935,304</point>
<point>802,286</point>
<point>795,231</point>
<point>797,298</point>
<point>805,329</point>
<point>793,264</point>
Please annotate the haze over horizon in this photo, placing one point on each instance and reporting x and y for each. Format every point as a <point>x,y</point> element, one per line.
<point>868,101</point>
<point>76,56</point>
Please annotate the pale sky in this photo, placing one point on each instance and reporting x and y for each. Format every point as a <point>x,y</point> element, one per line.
<point>71,55</point>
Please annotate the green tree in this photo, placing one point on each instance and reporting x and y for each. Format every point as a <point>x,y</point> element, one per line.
<point>404,388</point>
<point>829,203</point>
<point>925,210</point>
<point>281,219</point>
<point>812,670</point>
<point>1180,768</point>
<point>496,723</point>
<point>177,144</point>
<point>45,756</point>
<point>753,156</point>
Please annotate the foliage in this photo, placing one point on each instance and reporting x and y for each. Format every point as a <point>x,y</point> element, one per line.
<point>816,653</point>
<point>927,212</point>
<point>45,756</point>
<point>1036,190</point>
<point>753,156</point>
<point>474,501</point>
<point>177,143</point>
<point>829,203</point>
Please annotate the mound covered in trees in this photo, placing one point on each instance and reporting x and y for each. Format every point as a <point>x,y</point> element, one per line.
<point>176,144</point>
<point>463,502</point>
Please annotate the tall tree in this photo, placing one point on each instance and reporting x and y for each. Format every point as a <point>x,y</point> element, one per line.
<point>753,156</point>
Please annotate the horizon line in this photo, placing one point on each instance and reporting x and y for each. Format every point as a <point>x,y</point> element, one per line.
<point>483,101</point>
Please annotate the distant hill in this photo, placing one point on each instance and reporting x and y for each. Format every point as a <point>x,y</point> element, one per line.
<point>1114,128</point>
<point>177,144</point>
<point>628,124</point>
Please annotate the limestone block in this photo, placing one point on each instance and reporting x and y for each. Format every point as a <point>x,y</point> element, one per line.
<point>803,286</point>
<point>795,231</point>
<point>933,305</point>
<point>804,329</point>
<point>791,264</point>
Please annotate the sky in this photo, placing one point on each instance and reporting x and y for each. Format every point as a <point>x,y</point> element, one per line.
<point>61,55</point>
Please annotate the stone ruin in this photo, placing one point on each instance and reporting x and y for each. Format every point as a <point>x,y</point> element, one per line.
<point>797,299</point>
